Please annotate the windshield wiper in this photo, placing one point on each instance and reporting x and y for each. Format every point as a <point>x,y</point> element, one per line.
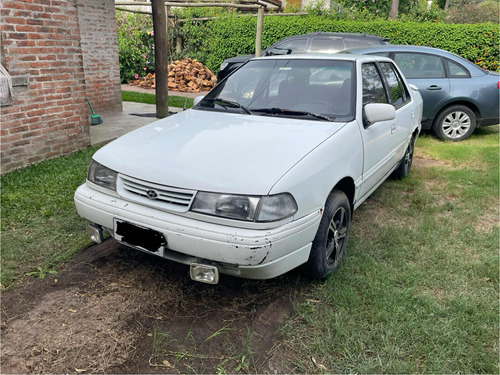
<point>227,103</point>
<point>291,112</point>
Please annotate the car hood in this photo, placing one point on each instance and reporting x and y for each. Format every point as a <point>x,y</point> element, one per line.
<point>215,151</point>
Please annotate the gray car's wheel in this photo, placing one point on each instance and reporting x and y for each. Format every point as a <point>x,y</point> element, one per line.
<point>404,167</point>
<point>329,245</point>
<point>455,123</point>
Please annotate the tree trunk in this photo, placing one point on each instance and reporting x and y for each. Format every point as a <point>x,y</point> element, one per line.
<point>393,14</point>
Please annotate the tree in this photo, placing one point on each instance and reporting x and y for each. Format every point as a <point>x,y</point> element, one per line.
<point>393,13</point>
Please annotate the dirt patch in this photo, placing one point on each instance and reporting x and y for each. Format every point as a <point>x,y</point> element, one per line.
<point>116,310</point>
<point>428,161</point>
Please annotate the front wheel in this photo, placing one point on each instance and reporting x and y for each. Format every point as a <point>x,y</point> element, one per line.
<point>455,123</point>
<point>329,245</point>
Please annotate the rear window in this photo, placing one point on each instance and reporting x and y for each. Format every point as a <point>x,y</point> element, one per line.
<point>329,45</point>
<point>288,47</point>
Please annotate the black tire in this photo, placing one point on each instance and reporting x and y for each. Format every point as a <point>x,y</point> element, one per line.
<point>455,123</point>
<point>404,167</point>
<point>329,245</point>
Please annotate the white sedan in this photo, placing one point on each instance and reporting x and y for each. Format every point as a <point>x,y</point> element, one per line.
<point>262,175</point>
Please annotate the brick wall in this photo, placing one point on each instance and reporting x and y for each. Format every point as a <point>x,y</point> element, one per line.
<point>100,52</point>
<point>41,48</point>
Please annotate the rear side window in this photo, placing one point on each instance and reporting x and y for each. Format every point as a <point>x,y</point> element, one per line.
<point>373,88</point>
<point>327,45</point>
<point>419,65</point>
<point>291,46</point>
<point>456,70</point>
<point>396,87</point>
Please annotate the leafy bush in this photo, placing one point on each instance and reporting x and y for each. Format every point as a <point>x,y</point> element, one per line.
<point>214,41</point>
<point>135,45</point>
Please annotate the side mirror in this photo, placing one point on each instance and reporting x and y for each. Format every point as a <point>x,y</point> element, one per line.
<point>198,99</point>
<point>376,112</point>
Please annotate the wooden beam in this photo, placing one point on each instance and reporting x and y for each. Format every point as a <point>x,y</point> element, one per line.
<point>258,33</point>
<point>182,20</point>
<point>132,3</point>
<point>161,57</point>
<point>222,5</point>
<point>125,9</point>
<point>213,1</point>
<point>186,3</point>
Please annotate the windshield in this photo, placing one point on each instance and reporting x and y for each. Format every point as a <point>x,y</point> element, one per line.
<point>295,88</point>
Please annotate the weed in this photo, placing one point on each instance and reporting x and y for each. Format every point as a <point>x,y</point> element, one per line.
<point>41,272</point>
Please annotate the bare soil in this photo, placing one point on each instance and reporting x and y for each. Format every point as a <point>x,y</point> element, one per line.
<point>117,310</point>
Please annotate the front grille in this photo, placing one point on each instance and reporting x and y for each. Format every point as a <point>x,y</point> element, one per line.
<point>154,195</point>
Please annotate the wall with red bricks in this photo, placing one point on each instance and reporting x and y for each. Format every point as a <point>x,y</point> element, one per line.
<point>41,48</point>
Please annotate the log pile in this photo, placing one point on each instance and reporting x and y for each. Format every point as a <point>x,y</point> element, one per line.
<point>187,75</point>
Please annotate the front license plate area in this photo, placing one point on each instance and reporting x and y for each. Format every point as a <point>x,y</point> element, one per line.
<point>145,238</point>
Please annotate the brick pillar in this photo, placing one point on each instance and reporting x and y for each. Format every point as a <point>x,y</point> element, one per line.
<point>99,41</point>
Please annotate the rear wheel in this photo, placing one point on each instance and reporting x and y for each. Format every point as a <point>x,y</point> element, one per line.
<point>455,123</point>
<point>405,166</point>
<point>329,245</point>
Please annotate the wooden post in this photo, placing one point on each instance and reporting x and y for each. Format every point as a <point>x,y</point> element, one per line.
<point>161,60</point>
<point>258,35</point>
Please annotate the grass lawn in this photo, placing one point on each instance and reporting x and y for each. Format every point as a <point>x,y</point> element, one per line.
<point>173,100</point>
<point>40,227</point>
<point>418,291</point>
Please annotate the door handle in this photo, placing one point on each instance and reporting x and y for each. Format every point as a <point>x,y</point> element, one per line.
<point>433,88</point>
<point>393,128</point>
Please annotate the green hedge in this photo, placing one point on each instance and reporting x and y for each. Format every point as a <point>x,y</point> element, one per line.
<point>213,41</point>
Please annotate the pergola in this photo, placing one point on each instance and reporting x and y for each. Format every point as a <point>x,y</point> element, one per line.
<point>159,11</point>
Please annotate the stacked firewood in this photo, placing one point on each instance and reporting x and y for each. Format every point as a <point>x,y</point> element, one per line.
<point>187,75</point>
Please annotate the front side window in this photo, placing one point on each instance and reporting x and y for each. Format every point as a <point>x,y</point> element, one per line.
<point>373,88</point>
<point>303,88</point>
<point>396,87</point>
<point>420,65</point>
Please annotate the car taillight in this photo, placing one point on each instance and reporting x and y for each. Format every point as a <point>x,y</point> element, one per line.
<point>498,85</point>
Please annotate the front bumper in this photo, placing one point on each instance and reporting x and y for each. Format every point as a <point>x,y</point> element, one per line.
<point>248,253</point>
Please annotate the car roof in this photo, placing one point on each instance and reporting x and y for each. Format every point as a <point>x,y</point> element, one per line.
<point>409,48</point>
<point>331,34</point>
<point>323,56</point>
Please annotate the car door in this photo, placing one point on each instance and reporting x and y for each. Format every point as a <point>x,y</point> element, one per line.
<point>428,73</point>
<point>380,140</point>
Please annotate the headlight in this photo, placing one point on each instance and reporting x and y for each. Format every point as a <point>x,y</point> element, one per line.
<point>102,176</point>
<point>231,206</point>
<point>276,207</point>
<point>248,208</point>
<point>223,66</point>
